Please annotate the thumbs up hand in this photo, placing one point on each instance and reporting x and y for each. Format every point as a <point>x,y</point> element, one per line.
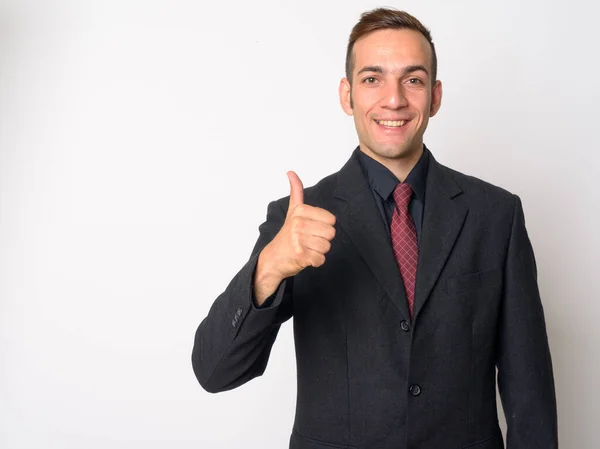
<point>303,241</point>
<point>306,235</point>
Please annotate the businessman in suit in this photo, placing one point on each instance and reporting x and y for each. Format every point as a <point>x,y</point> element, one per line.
<point>409,282</point>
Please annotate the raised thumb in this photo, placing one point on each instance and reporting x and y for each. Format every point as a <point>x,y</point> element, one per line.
<point>296,189</point>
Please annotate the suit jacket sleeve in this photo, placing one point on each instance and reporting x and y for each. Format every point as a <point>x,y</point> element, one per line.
<point>233,343</point>
<point>525,378</point>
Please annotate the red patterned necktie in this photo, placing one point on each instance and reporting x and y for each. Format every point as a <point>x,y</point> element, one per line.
<point>404,241</point>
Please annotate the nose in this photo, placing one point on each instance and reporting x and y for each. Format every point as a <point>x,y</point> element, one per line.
<point>393,96</point>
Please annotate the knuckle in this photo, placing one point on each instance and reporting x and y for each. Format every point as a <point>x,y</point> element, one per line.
<point>297,224</point>
<point>332,233</point>
<point>297,248</point>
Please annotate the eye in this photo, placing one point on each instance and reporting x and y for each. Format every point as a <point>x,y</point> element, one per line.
<point>370,80</point>
<point>415,81</point>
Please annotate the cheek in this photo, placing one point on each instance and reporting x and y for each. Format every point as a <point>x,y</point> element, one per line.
<point>426,102</point>
<point>419,98</point>
<point>365,100</point>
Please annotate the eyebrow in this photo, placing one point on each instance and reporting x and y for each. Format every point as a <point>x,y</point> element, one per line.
<point>406,70</point>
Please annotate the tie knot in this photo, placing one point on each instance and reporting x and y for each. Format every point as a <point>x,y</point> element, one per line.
<point>402,195</point>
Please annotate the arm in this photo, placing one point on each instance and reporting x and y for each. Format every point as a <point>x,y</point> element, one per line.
<point>525,378</point>
<point>233,343</point>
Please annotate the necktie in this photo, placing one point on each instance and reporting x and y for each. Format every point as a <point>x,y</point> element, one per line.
<point>404,242</point>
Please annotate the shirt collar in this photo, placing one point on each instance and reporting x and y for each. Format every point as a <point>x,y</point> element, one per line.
<point>383,181</point>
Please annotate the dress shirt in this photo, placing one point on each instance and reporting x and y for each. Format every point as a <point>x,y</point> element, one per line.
<point>383,182</point>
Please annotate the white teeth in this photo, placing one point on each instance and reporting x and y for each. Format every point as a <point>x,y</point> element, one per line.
<point>391,123</point>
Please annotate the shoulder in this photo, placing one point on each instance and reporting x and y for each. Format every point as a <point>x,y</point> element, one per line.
<point>491,203</point>
<point>478,191</point>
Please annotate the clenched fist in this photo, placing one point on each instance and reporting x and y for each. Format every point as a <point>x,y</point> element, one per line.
<point>303,241</point>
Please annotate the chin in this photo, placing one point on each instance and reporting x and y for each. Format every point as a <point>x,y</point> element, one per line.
<point>392,152</point>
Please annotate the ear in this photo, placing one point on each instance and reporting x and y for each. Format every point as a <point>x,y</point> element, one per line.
<point>436,98</point>
<point>345,92</point>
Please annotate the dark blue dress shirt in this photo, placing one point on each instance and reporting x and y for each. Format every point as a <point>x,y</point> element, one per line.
<point>383,182</point>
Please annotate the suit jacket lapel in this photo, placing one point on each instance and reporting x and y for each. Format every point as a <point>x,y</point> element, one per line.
<point>359,217</point>
<point>443,218</point>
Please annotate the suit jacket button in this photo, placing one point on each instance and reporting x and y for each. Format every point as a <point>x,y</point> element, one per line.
<point>234,323</point>
<point>239,312</point>
<point>415,390</point>
<point>404,326</point>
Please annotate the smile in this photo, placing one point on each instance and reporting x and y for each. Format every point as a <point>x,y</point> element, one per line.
<point>392,123</point>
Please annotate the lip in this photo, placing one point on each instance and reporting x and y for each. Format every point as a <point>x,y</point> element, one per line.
<point>392,129</point>
<point>392,119</point>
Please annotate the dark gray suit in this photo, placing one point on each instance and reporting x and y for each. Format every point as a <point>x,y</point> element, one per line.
<point>370,378</point>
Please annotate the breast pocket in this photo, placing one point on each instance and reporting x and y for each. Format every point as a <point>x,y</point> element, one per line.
<point>298,441</point>
<point>474,281</point>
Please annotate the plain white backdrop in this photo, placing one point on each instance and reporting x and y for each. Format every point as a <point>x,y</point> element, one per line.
<point>140,142</point>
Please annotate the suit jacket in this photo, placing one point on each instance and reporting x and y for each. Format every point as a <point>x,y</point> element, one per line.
<point>368,375</point>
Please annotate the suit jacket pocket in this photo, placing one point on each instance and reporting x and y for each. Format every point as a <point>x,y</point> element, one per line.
<point>493,442</point>
<point>298,441</point>
<point>473,281</point>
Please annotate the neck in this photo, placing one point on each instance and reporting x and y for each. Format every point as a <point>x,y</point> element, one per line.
<point>399,166</point>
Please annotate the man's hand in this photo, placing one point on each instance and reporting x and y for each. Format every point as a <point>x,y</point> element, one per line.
<point>303,241</point>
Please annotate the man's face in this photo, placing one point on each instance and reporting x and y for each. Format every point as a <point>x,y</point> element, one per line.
<point>391,97</point>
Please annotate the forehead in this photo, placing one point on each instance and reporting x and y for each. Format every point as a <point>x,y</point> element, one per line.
<point>392,49</point>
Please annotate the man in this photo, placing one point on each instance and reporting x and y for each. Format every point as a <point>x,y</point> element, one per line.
<point>409,282</point>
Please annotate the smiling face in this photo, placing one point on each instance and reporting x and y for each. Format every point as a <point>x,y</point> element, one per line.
<point>391,96</point>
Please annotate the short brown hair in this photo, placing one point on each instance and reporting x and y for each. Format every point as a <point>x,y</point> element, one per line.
<point>383,19</point>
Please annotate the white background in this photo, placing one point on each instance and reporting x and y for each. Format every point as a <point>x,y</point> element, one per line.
<point>140,142</point>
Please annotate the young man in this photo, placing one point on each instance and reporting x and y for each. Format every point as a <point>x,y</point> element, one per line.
<point>409,282</point>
